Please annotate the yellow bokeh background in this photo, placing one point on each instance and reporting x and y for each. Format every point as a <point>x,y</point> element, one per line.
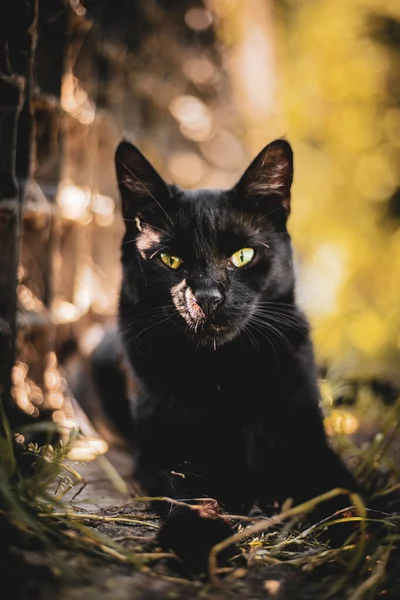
<point>338,102</point>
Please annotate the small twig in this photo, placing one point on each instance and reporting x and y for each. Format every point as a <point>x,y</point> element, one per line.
<point>186,503</point>
<point>83,516</point>
<point>84,484</point>
<point>149,517</point>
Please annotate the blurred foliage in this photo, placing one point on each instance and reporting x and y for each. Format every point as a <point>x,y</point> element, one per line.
<point>340,95</point>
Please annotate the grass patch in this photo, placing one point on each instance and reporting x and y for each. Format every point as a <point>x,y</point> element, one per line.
<point>34,514</point>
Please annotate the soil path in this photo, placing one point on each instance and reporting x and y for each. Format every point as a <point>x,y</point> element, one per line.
<point>86,576</point>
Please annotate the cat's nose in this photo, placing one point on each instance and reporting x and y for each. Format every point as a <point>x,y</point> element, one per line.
<point>209,299</point>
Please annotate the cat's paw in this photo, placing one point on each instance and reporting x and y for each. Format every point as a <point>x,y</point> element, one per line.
<point>191,534</point>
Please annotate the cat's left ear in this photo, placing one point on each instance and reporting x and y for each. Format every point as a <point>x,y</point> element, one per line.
<point>267,181</point>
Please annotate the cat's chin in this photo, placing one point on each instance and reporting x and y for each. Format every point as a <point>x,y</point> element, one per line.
<point>215,335</point>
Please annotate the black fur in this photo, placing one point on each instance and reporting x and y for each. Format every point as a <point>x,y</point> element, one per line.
<point>228,405</point>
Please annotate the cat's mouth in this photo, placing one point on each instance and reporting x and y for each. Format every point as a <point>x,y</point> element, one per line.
<point>201,326</point>
<point>211,332</point>
<point>215,335</point>
<point>218,328</point>
<point>208,328</point>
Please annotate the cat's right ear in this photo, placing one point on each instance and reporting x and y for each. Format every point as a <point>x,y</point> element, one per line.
<point>138,182</point>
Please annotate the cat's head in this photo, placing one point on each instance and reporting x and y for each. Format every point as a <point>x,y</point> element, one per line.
<point>205,264</point>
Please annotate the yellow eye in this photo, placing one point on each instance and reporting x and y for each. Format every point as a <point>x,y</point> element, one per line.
<point>173,262</point>
<point>242,257</point>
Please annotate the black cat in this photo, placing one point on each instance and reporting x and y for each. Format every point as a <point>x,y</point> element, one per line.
<point>228,405</point>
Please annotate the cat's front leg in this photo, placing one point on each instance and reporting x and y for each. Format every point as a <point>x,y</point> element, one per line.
<point>320,472</point>
<point>194,522</point>
<point>309,468</point>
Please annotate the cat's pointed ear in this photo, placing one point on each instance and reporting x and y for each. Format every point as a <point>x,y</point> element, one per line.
<point>138,181</point>
<point>267,181</point>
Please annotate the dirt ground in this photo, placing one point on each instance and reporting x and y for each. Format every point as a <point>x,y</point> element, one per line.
<point>85,575</point>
